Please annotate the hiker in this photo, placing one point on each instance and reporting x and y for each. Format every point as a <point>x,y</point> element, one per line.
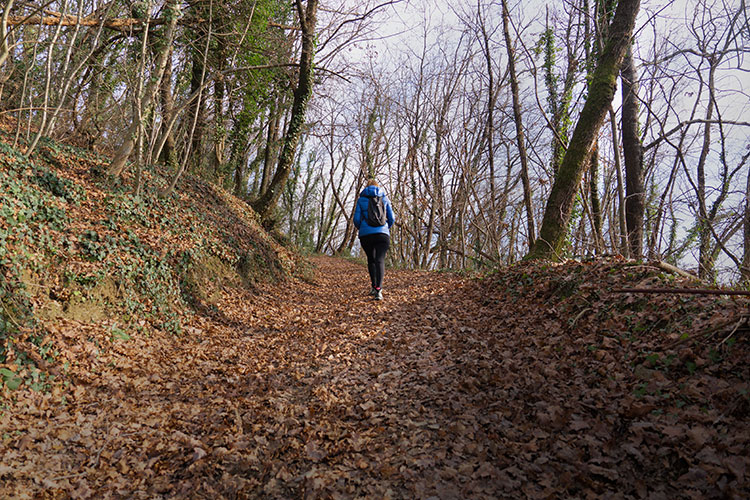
<point>373,217</point>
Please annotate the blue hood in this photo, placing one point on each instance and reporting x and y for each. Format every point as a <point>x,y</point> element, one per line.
<point>373,191</point>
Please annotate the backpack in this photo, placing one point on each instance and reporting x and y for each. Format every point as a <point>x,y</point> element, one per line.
<point>376,215</point>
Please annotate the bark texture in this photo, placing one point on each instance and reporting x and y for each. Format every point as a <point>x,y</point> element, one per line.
<point>554,228</point>
<point>266,204</point>
<point>633,154</point>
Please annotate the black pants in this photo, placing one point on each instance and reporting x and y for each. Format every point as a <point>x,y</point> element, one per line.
<point>376,246</point>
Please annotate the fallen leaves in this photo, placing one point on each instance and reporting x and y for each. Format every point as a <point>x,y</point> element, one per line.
<point>448,388</point>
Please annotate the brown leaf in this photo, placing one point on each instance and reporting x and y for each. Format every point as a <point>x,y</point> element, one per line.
<point>198,453</point>
<point>736,465</point>
<point>314,452</point>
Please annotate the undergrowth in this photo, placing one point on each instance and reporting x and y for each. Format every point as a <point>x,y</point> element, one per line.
<point>78,245</point>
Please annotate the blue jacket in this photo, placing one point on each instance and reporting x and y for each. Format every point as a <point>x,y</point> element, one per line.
<point>360,212</point>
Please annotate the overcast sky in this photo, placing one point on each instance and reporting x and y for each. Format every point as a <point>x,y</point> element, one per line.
<point>403,29</point>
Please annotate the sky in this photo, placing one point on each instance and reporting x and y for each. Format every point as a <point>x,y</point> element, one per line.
<point>403,27</point>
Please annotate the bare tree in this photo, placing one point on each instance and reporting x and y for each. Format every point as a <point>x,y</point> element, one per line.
<point>602,88</point>
<point>128,139</point>
<point>307,19</point>
<point>519,126</point>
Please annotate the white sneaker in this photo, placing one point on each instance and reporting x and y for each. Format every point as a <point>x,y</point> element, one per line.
<point>378,295</point>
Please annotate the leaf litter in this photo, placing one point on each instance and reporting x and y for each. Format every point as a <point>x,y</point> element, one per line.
<point>534,382</point>
<point>537,381</point>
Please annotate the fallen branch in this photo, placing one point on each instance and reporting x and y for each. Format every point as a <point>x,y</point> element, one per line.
<point>694,291</point>
<point>675,270</point>
<point>737,322</point>
<point>734,330</point>
<point>704,334</point>
<point>69,476</point>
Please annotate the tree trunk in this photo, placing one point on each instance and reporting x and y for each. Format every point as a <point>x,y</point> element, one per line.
<point>4,48</point>
<point>620,213</point>
<point>220,135</point>
<point>633,153</point>
<point>272,137</point>
<point>48,82</point>
<point>168,154</point>
<point>596,204</point>
<point>128,138</point>
<point>705,260</point>
<point>745,269</point>
<point>8,85</point>
<point>197,109</point>
<point>197,113</point>
<point>601,91</point>
<point>519,126</point>
<point>266,204</point>
<point>490,126</point>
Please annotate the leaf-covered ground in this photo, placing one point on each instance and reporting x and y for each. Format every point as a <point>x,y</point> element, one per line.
<point>537,382</point>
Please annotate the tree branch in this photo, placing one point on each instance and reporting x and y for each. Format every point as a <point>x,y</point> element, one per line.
<point>691,122</point>
<point>120,24</point>
<point>693,291</point>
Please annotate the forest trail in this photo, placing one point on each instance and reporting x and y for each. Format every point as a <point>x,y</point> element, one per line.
<point>304,389</point>
<point>313,390</point>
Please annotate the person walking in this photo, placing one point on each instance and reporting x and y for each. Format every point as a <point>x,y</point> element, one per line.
<point>373,216</point>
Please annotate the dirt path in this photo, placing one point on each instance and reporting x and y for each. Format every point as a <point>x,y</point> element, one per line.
<point>445,389</point>
<point>310,389</point>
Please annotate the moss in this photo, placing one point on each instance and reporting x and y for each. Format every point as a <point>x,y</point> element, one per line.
<point>208,276</point>
<point>602,88</point>
<point>79,302</point>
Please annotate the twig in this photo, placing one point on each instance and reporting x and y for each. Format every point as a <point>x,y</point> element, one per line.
<point>709,332</point>
<point>578,316</point>
<point>238,420</point>
<point>69,476</point>
<point>706,333</point>
<point>99,453</point>
<point>736,327</point>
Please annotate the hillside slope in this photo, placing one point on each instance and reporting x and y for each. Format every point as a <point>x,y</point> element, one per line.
<point>533,383</point>
<point>77,246</point>
<point>163,348</point>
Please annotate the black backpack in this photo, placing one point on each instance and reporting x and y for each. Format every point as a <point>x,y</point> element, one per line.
<point>376,215</point>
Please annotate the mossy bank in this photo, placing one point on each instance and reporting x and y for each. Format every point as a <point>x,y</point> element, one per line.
<point>78,246</point>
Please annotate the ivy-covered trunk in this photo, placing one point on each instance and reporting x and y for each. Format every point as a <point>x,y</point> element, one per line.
<point>307,18</point>
<point>554,228</point>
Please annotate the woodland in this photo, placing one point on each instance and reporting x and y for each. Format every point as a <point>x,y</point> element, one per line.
<point>466,124</point>
<point>184,309</point>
